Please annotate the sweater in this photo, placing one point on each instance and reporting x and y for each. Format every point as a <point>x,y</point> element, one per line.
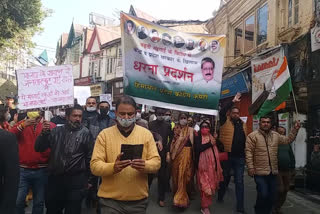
<point>129,184</point>
<point>26,137</point>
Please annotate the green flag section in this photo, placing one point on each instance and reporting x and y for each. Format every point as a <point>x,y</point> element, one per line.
<point>280,91</point>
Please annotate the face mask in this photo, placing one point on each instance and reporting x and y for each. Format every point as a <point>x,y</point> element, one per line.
<point>138,116</point>
<point>167,118</point>
<point>205,131</point>
<point>160,118</point>
<point>74,125</point>
<point>183,122</point>
<point>8,117</point>
<point>91,109</point>
<point>62,114</point>
<point>126,122</point>
<point>103,112</point>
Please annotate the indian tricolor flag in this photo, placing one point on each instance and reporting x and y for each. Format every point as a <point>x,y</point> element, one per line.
<point>281,88</point>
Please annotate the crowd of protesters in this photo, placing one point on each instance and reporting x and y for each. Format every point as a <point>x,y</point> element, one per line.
<point>77,155</point>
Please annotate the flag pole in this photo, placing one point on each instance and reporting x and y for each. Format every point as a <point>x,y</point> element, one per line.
<point>295,102</point>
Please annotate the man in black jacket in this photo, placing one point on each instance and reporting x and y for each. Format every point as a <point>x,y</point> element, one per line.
<point>9,169</point>
<point>163,128</point>
<point>69,164</point>
<point>233,136</point>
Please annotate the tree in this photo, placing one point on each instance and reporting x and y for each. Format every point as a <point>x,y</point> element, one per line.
<point>19,21</point>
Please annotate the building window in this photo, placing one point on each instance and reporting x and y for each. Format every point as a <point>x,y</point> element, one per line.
<point>110,65</point>
<point>290,13</point>
<point>99,68</point>
<point>296,11</point>
<point>249,34</point>
<point>262,30</point>
<point>89,69</point>
<point>238,41</point>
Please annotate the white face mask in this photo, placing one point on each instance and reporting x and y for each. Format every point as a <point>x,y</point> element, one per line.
<point>167,118</point>
<point>91,109</point>
<point>138,115</point>
<point>62,114</point>
<point>126,122</point>
<point>8,116</point>
<point>183,122</point>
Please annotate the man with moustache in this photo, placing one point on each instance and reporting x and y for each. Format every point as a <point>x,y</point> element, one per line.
<point>124,187</point>
<point>262,161</point>
<point>69,163</point>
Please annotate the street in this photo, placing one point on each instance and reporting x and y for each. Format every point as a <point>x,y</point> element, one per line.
<point>294,205</point>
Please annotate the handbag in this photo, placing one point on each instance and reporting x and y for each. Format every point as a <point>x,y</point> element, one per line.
<point>223,156</point>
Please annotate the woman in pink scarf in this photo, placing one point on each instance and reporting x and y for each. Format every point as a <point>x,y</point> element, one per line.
<point>209,172</point>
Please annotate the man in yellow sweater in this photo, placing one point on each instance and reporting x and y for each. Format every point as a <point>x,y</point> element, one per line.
<point>124,187</point>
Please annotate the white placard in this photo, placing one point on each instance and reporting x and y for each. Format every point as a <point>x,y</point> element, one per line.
<point>244,119</point>
<point>106,97</point>
<point>45,87</point>
<point>81,93</point>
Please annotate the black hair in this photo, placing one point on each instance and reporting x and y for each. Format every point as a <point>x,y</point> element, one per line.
<point>3,111</point>
<point>234,107</point>
<point>126,100</point>
<point>265,117</point>
<point>285,130</point>
<point>183,113</point>
<point>207,59</point>
<point>160,110</point>
<point>91,97</point>
<point>102,103</point>
<point>70,110</point>
<point>207,122</point>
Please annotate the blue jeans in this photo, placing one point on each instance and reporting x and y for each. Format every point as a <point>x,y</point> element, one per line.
<point>266,193</point>
<point>36,179</point>
<point>237,165</point>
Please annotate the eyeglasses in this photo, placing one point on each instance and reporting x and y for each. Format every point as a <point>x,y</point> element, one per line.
<point>91,103</point>
<point>205,127</point>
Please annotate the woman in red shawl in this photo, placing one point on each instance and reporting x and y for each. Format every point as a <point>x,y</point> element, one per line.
<point>207,163</point>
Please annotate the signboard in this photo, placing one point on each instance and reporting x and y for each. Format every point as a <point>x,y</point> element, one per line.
<point>315,38</point>
<point>81,93</point>
<point>232,85</point>
<point>107,98</point>
<point>96,90</point>
<point>83,81</point>
<point>264,71</point>
<point>171,69</point>
<point>45,87</point>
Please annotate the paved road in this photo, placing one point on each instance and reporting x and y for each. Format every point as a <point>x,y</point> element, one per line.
<point>295,204</point>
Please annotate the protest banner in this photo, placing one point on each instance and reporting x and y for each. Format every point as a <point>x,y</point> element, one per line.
<point>45,87</point>
<point>81,93</point>
<point>171,69</point>
<point>107,98</point>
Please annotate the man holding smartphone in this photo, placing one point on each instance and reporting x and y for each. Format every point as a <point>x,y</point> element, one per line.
<point>124,187</point>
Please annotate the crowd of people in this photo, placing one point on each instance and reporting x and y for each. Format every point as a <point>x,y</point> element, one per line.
<point>78,155</point>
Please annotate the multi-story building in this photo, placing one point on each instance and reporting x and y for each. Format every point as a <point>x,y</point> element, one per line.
<point>255,26</point>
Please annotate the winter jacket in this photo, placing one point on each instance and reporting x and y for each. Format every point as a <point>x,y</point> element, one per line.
<point>286,160</point>
<point>26,137</point>
<point>232,134</point>
<point>9,171</point>
<point>97,123</point>
<point>71,150</point>
<point>262,150</point>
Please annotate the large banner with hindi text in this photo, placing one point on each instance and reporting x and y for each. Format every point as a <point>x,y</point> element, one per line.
<point>45,87</point>
<point>171,69</point>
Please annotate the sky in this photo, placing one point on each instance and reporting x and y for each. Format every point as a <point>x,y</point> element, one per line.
<point>66,11</point>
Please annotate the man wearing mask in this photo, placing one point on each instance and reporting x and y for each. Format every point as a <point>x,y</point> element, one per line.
<point>163,128</point>
<point>9,166</point>
<point>262,161</point>
<point>140,121</point>
<point>124,187</point>
<point>69,165</point>
<point>60,119</point>
<point>33,165</point>
<point>90,110</point>
<point>233,132</point>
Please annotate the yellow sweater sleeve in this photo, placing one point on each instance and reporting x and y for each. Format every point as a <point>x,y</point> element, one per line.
<point>98,164</point>
<point>152,164</point>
